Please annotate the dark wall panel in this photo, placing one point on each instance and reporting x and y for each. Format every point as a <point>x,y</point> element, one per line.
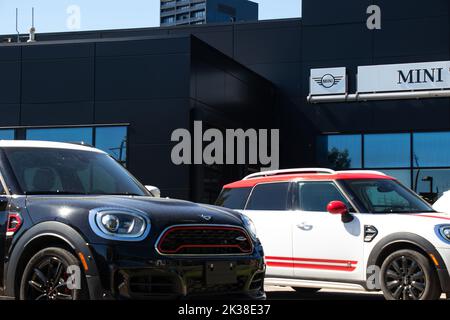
<point>133,47</point>
<point>320,12</point>
<point>64,113</point>
<point>286,76</point>
<point>412,9</point>
<point>48,51</point>
<point>57,80</point>
<point>8,53</point>
<point>152,121</point>
<point>219,37</point>
<point>209,84</point>
<point>142,77</point>
<point>152,165</point>
<point>426,36</point>
<point>331,42</point>
<point>278,43</point>
<point>416,115</point>
<point>146,32</point>
<point>9,81</point>
<point>10,114</point>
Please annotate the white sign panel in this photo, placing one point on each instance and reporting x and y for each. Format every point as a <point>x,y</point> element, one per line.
<point>404,77</point>
<point>328,81</point>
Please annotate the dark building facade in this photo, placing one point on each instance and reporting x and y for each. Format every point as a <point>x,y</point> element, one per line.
<point>126,78</point>
<point>193,12</point>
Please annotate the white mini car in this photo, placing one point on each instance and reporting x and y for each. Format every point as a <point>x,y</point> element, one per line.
<point>345,230</point>
<point>443,203</point>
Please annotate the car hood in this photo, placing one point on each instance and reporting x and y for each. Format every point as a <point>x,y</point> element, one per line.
<point>74,210</point>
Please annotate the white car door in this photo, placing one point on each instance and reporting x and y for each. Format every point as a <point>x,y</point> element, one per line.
<point>267,207</point>
<point>325,248</point>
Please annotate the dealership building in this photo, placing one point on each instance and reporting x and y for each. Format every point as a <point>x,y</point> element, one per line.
<point>345,93</point>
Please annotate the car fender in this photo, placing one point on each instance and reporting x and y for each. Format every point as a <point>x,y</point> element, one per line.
<point>56,229</point>
<point>418,241</point>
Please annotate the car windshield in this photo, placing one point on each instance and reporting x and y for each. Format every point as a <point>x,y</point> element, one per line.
<point>385,196</point>
<point>67,171</point>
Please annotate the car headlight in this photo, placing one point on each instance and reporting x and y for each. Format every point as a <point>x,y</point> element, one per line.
<point>250,226</point>
<point>445,232</point>
<point>119,224</point>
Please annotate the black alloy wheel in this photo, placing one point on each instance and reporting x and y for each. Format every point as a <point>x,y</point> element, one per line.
<point>409,275</point>
<point>45,277</point>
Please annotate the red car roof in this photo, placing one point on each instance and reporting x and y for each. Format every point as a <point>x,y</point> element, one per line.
<point>314,177</point>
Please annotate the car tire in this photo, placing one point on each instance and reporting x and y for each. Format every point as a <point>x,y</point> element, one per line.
<point>302,290</point>
<point>45,277</point>
<point>409,275</point>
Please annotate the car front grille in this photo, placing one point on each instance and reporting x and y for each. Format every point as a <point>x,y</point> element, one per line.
<point>204,240</point>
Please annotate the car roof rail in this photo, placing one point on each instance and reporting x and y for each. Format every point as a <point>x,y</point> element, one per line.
<point>289,171</point>
<point>364,171</point>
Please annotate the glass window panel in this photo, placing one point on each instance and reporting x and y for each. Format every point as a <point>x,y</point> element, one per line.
<point>387,150</point>
<point>315,196</point>
<point>7,134</point>
<point>431,149</point>
<point>233,198</point>
<point>269,196</point>
<point>439,179</point>
<point>112,140</point>
<point>340,152</point>
<point>61,134</point>
<point>404,176</point>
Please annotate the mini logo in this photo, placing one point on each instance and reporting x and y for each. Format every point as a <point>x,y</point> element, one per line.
<point>207,218</point>
<point>328,80</point>
<point>241,238</point>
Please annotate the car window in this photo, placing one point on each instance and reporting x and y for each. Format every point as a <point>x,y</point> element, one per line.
<point>66,171</point>
<point>269,196</point>
<point>386,199</point>
<point>233,198</point>
<point>315,196</point>
<point>385,196</point>
<point>36,177</point>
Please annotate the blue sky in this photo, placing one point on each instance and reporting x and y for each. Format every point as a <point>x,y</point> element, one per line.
<point>53,15</point>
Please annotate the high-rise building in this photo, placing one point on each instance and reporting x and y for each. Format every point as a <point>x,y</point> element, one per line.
<point>189,12</point>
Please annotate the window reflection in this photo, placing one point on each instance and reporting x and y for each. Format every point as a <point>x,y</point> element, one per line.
<point>387,150</point>
<point>432,183</point>
<point>431,149</point>
<point>7,134</point>
<point>340,152</point>
<point>404,176</point>
<point>61,134</point>
<point>112,140</point>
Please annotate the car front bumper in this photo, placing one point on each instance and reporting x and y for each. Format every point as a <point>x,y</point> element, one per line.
<point>443,271</point>
<point>124,275</point>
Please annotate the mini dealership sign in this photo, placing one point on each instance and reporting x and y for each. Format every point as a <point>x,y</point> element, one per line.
<point>327,81</point>
<point>404,77</point>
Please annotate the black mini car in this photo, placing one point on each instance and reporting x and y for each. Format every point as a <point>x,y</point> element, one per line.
<point>74,224</point>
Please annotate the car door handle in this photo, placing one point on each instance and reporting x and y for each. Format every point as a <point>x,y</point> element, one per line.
<point>304,226</point>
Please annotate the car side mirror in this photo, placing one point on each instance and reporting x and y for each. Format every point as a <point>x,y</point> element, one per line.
<point>338,207</point>
<point>154,191</point>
